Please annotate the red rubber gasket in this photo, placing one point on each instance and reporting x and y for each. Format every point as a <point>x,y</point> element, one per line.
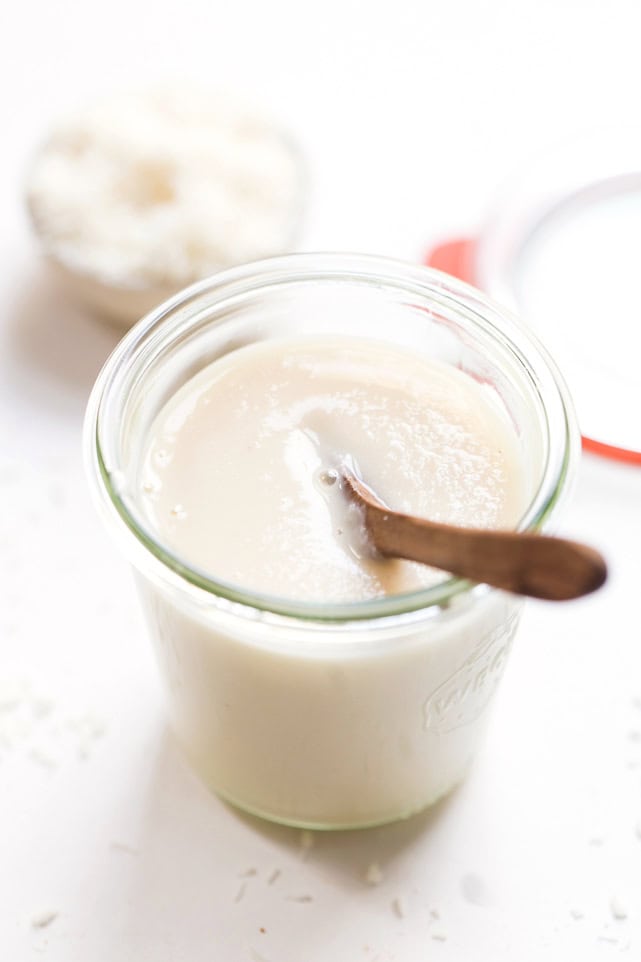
<point>456,257</point>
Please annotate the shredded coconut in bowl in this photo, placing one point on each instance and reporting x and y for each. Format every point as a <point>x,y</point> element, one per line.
<point>140,194</point>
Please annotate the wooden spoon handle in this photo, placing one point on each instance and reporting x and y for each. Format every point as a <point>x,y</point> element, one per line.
<point>526,564</point>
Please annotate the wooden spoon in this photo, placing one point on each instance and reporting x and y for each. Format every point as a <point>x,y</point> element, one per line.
<point>520,562</point>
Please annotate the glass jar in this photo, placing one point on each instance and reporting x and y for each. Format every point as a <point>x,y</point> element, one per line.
<point>337,715</point>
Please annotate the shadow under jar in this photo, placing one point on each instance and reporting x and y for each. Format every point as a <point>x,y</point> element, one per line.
<point>311,714</point>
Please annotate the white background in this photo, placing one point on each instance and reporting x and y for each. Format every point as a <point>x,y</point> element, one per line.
<point>410,113</point>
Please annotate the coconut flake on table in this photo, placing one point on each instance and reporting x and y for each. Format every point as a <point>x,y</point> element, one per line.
<point>306,843</point>
<point>398,907</point>
<point>142,193</point>
<point>618,909</point>
<point>374,874</point>
<point>44,919</point>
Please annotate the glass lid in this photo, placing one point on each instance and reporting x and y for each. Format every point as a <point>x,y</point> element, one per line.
<point>563,249</point>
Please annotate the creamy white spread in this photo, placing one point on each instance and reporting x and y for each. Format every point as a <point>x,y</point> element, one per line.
<point>241,476</point>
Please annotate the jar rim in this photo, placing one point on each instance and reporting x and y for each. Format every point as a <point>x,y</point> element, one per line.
<point>170,320</point>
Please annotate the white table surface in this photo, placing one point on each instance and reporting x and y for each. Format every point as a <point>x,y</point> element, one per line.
<point>110,849</point>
